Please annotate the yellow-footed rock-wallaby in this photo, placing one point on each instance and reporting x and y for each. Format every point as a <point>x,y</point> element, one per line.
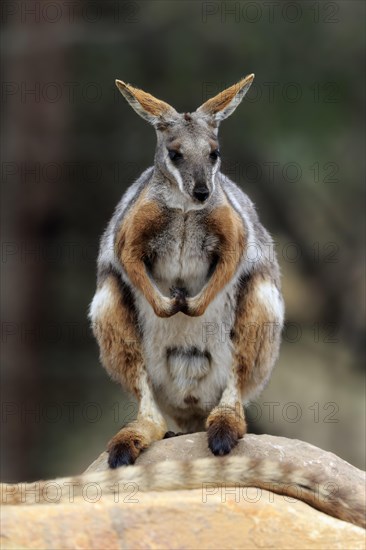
<point>188,310</point>
<point>188,315</point>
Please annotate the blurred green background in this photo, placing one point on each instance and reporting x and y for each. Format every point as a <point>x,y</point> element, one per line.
<point>71,146</point>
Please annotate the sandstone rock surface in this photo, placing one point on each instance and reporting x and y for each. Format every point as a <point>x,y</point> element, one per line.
<point>225,518</point>
<point>181,520</point>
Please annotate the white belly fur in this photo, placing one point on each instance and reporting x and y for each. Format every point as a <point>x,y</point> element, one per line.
<point>173,381</point>
<point>185,262</point>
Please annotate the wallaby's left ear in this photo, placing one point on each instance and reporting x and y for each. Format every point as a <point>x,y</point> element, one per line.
<point>223,104</point>
<point>147,106</point>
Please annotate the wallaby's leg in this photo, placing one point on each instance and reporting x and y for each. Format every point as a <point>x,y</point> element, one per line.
<point>226,422</point>
<point>256,339</point>
<point>115,327</point>
<point>149,426</point>
<point>225,224</point>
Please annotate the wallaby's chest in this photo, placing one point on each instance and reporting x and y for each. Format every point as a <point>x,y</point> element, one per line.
<point>182,253</point>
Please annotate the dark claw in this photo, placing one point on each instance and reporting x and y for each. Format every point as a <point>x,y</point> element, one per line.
<point>221,439</point>
<point>121,455</point>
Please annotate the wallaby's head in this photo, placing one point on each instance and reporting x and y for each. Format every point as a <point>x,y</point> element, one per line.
<point>187,151</point>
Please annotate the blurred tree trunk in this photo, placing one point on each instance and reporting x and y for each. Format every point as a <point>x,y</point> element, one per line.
<point>35,127</point>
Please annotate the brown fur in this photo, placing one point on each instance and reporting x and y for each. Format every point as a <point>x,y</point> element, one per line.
<point>228,420</point>
<point>222,100</point>
<point>255,336</point>
<point>149,103</point>
<point>213,144</point>
<point>118,337</point>
<point>136,437</point>
<point>225,223</point>
<point>144,220</point>
<point>175,145</point>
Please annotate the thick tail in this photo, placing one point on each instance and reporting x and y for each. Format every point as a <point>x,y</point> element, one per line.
<point>309,485</point>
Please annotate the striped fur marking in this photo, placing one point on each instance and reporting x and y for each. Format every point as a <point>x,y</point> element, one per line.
<point>286,479</point>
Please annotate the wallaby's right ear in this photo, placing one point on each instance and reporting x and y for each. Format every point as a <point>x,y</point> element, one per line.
<point>223,104</point>
<point>153,110</point>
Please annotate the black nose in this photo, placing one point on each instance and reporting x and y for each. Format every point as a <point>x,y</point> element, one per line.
<point>201,193</point>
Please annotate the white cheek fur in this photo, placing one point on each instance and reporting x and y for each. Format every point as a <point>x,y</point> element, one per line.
<point>175,173</point>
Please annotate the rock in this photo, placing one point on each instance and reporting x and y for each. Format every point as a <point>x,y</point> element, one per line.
<point>180,519</point>
<point>322,463</point>
<point>231,517</point>
<point>282,449</point>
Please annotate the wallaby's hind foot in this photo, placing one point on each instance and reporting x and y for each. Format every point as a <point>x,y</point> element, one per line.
<point>129,442</point>
<point>123,453</point>
<point>224,428</point>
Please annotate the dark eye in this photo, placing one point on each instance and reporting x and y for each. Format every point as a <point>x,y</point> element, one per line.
<point>214,155</point>
<point>174,155</point>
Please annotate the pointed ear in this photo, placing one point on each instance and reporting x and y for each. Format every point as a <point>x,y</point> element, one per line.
<point>153,110</point>
<point>223,104</point>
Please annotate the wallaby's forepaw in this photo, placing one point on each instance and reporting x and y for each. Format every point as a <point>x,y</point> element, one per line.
<point>187,305</point>
<point>179,297</point>
<point>124,448</point>
<point>167,307</point>
<point>224,429</point>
